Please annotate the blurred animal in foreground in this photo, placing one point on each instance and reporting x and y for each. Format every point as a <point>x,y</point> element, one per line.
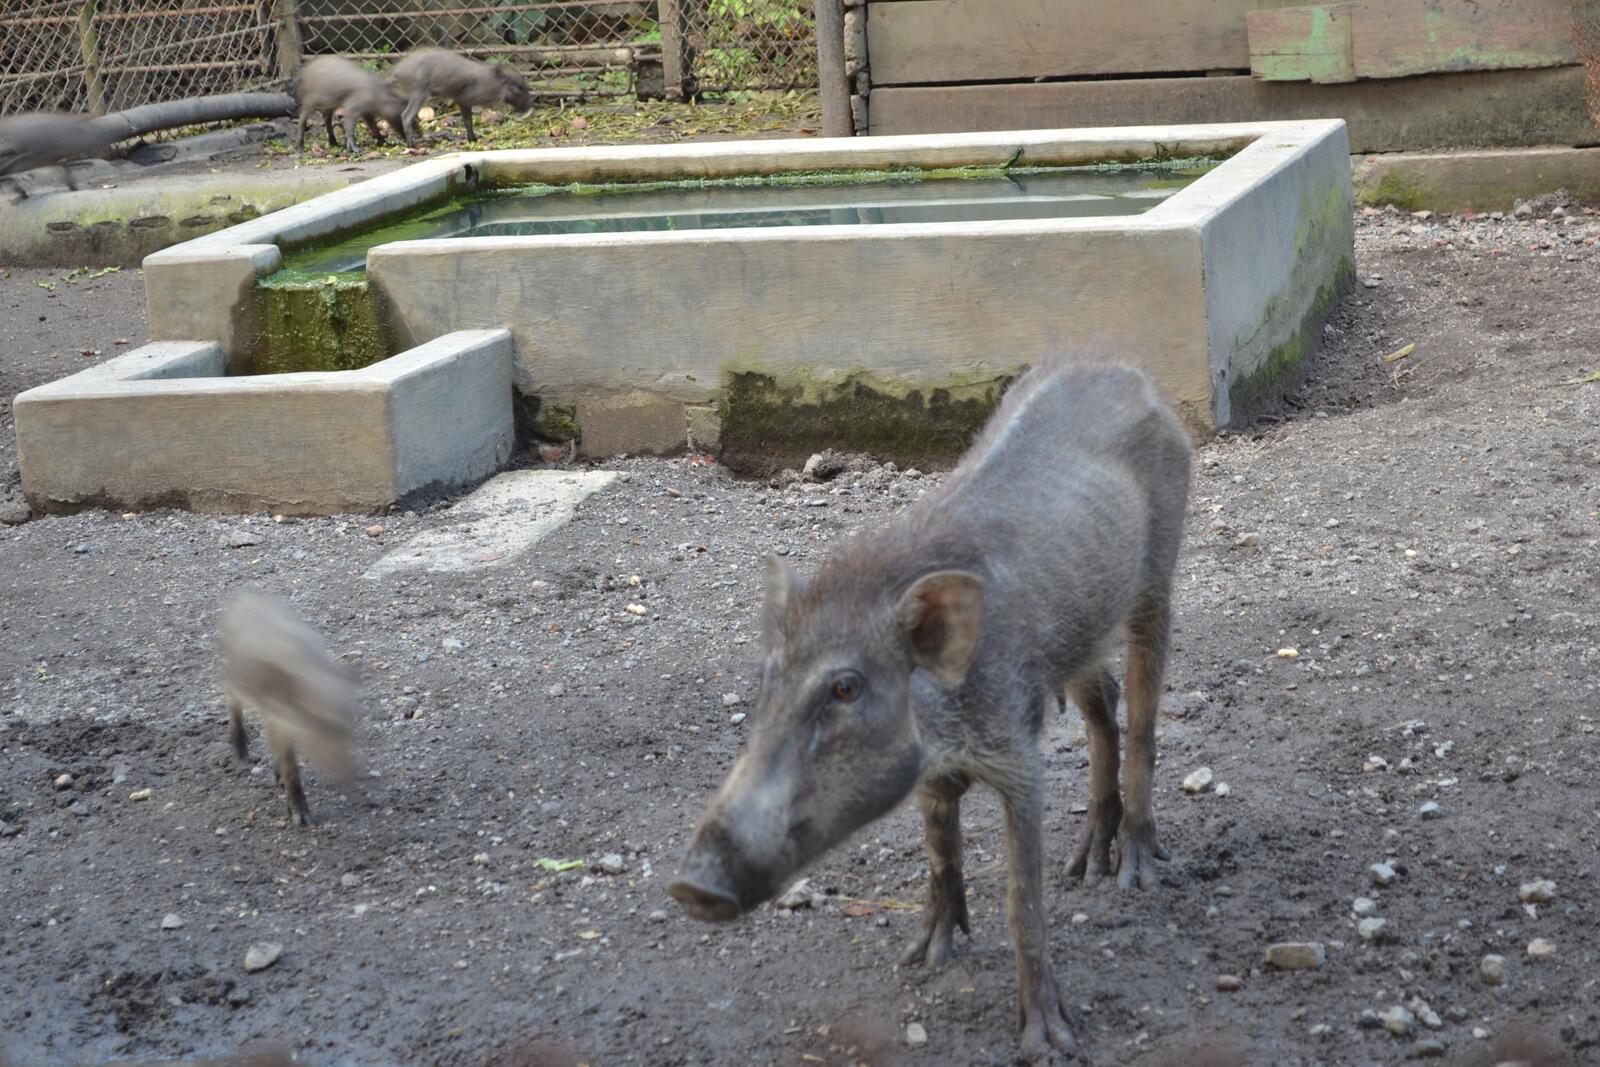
<point>278,665</point>
<point>333,83</point>
<point>41,138</point>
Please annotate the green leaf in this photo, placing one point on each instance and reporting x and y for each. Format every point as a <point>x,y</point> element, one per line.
<point>558,865</point>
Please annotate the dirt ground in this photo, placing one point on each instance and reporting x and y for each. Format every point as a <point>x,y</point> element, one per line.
<point>1424,534</point>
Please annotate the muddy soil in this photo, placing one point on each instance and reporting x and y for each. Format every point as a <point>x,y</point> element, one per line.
<point>1387,597</point>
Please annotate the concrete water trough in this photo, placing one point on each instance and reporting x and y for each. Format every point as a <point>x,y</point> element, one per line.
<point>873,327</point>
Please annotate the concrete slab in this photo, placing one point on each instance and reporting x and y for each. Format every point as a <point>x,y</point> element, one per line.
<point>164,426</point>
<point>499,521</point>
<point>1483,180</point>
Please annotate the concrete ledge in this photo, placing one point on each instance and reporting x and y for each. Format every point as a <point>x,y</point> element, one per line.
<point>1483,180</point>
<point>161,426</point>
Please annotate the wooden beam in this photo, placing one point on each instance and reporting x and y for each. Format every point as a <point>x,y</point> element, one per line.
<point>1302,44</point>
<point>1400,38</point>
<point>833,82</point>
<point>919,42</point>
<point>1495,109</point>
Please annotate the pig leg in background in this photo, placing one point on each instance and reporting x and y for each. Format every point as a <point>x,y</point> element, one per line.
<point>408,117</point>
<point>1095,693</point>
<point>300,137</point>
<point>466,120</point>
<point>1044,1022</point>
<point>241,746</point>
<point>288,772</point>
<point>1147,659</point>
<point>947,890</point>
<point>327,122</point>
<point>372,128</point>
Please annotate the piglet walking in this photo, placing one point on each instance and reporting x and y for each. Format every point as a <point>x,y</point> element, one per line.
<point>278,665</point>
<point>922,658</point>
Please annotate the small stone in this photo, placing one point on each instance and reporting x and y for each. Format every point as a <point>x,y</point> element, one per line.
<point>453,646</point>
<point>172,921</point>
<point>1249,540</point>
<point>1382,873</point>
<point>1481,1033</point>
<point>480,859</point>
<point>1079,918</point>
<point>736,718</point>
<point>119,774</point>
<point>1288,653</point>
<point>14,512</point>
<point>1296,955</point>
<point>63,781</point>
<point>79,808</point>
<point>1425,1014</point>
<point>375,530</point>
<point>1492,969</point>
<point>556,690</point>
<point>1427,1049</point>
<point>730,700</point>
<point>404,706</point>
<point>1244,666</point>
<point>139,794</point>
<point>1539,892</point>
<point>611,863</point>
<point>657,916</point>
<point>1373,929</point>
<point>637,609</point>
<point>916,1035</point>
<point>349,880</point>
<point>1397,1020</point>
<point>239,539</point>
<point>798,896</point>
<point>1428,809</point>
<point>1364,906</point>
<point>1229,983</point>
<point>1223,789</point>
<point>1197,781</point>
<point>261,955</point>
<point>1541,948</point>
<point>1375,763</point>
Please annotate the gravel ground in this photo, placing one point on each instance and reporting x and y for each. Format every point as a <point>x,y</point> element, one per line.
<point>1387,599</point>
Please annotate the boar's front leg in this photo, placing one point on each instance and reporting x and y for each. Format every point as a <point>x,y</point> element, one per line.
<point>947,891</point>
<point>1044,1023</point>
<point>1147,657</point>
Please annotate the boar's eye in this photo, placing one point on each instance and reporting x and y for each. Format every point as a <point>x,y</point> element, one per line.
<point>847,686</point>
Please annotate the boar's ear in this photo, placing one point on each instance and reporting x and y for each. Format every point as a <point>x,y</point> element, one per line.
<point>943,615</point>
<point>782,585</point>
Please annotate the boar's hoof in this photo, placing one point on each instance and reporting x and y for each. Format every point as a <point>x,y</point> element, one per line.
<point>1094,859</point>
<point>1044,1023</point>
<point>707,905</point>
<point>1136,866</point>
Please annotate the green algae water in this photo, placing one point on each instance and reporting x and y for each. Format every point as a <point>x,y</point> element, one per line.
<point>884,198</point>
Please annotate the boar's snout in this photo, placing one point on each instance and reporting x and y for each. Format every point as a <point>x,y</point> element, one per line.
<point>719,880</point>
<point>704,902</point>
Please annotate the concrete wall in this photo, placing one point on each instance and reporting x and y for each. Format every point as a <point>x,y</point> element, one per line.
<point>156,428</point>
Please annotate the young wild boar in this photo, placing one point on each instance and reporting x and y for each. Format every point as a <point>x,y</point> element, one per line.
<point>923,658</point>
<point>279,666</point>
<point>330,83</point>
<point>433,72</point>
<point>40,138</point>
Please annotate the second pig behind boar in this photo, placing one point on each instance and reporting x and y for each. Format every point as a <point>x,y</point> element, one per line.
<point>433,72</point>
<point>922,658</point>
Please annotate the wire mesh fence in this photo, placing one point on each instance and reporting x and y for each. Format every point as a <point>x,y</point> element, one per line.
<point>1586,35</point>
<point>104,55</point>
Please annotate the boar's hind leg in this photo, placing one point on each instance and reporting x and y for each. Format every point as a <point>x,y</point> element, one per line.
<point>1095,693</point>
<point>1044,1023</point>
<point>288,772</point>
<point>1147,659</point>
<point>241,745</point>
<point>947,891</point>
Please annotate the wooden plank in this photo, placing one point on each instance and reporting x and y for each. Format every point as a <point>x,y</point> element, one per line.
<point>1302,44</point>
<point>919,42</point>
<point>1494,109</point>
<point>1399,38</point>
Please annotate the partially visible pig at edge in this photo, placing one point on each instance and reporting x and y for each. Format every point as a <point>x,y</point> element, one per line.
<point>923,658</point>
<point>40,138</point>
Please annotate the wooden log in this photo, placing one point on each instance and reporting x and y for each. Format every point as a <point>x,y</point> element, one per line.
<point>833,81</point>
<point>919,42</point>
<point>89,50</point>
<point>1494,109</point>
<point>1302,44</point>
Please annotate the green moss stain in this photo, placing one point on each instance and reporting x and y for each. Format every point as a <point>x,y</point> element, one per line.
<point>770,421</point>
<point>1393,187</point>
<point>556,422</point>
<point>324,323</point>
<point>1284,365</point>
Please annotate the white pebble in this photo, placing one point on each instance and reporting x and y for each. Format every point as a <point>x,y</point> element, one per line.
<point>1539,892</point>
<point>1197,781</point>
<point>1382,873</point>
<point>916,1035</point>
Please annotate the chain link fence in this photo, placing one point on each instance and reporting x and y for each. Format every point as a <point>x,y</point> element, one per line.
<point>106,55</point>
<point>1586,35</point>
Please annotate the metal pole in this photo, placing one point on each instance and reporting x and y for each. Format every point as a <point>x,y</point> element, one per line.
<point>674,57</point>
<point>831,77</point>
